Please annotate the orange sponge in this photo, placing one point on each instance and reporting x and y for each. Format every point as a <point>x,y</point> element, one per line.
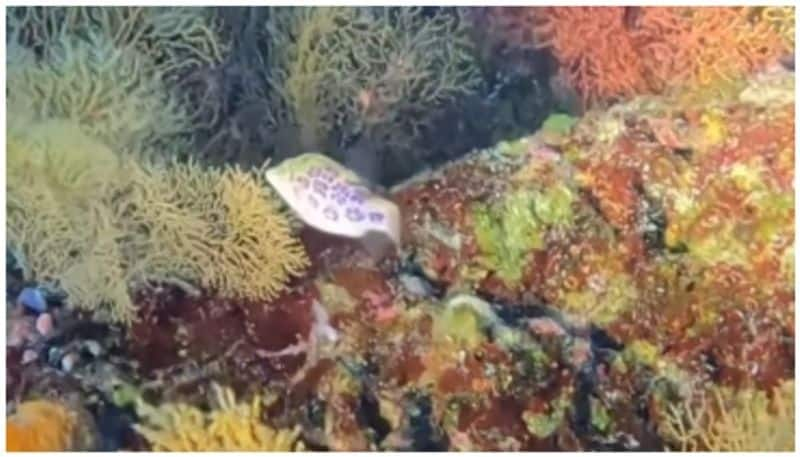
<point>41,425</point>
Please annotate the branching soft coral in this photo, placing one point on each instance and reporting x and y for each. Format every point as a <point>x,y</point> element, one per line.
<point>57,221</point>
<point>99,226</point>
<point>609,53</point>
<point>219,227</point>
<point>110,91</point>
<point>115,70</point>
<point>740,421</point>
<point>232,426</point>
<point>174,39</point>
<point>364,68</point>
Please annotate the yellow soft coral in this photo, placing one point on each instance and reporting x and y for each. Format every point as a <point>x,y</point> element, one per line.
<point>59,224</point>
<point>41,425</point>
<point>740,421</point>
<point>232,427</point>
<point>221,228</point>
<point>99,226</point>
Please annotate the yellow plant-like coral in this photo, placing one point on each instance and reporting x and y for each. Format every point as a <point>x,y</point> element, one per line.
<point>58,223</point>
<point>99,226</point>
<point>220,227</point>
<point>41,426</point>
<point>231,427</point>
<point>739,421</point>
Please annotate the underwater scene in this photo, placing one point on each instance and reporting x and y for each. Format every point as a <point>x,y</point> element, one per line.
<point>321,228</point>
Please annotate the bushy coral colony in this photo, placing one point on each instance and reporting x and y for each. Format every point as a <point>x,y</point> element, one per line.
<point>618,278</point>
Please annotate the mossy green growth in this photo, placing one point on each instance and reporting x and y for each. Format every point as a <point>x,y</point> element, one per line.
<point>512,148</point>
<point>641,350</point>
<point>559,123</point>
<point>543,425</point>
<point>125,395</point>
<point>554,205</point>
<point>461,325</point>
<point>601,416</point>
<point>508,231</point>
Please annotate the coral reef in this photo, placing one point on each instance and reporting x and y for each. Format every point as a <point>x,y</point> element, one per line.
<point>231,426</point>
<point>610,282</point>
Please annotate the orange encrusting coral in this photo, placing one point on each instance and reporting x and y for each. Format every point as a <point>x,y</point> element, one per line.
<point>608,53</point>
<point>41,426</point>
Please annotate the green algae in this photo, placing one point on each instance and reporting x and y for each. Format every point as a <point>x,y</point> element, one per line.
<point>508,231</point>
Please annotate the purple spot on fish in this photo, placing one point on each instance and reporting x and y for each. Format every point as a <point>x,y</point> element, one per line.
<point>340,199</point>
<point>319,187</point>
<point>302,181</point>
<point>358,195</point>
<point>375,217</point>
<point>354,214</point>
<point>313,201</point>
<point>330,213</point>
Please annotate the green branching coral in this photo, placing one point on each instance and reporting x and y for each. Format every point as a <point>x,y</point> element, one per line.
<point>173,39</point>
<point>508,231</point>
<point>364,68</point>
<point>99,226</point>
<point>114,70</point>
<point>109,91</point>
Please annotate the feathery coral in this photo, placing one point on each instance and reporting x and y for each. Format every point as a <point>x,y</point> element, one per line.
<point>739,421</point>
<point>100,227</point>
<point>41,426</point>
<point>231,427</point>
<point>222,228</point>
<point>365,67</point>
<point>110,91</point>
<point>636,50</point>
<point>174,39</point>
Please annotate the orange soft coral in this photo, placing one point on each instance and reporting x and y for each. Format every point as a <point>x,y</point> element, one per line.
<point>609,53</point>
<point>597,53</point>
<point>41,426</point>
